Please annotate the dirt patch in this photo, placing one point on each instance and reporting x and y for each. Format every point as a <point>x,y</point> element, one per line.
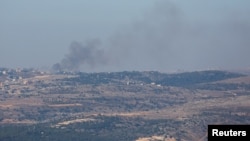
<point>156,138</point>
<point>12,121</point>
<point>75,121</point>
<point>65,105</point>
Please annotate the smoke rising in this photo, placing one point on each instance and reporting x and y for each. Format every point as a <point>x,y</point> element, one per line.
<point>166,37</point>
<point>82,54</point>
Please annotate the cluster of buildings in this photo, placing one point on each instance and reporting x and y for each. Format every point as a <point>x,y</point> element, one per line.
<point>16,76</point>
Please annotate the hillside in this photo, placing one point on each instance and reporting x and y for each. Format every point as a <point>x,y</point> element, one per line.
<point>179,79</point>
<point>119,105</point>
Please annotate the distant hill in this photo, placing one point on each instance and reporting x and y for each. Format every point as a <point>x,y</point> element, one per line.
<point>147,77</point>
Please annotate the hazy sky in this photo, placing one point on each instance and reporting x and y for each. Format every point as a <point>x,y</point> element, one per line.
<point>115,35</point>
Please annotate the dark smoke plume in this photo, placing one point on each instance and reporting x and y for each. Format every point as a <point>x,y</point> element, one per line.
<point>167,37</point>
<point>79,54</point>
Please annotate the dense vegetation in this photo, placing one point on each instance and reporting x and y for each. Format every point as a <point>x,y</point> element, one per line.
<point>105,129</point>
<point>222,86</point>
<point>179,79</point>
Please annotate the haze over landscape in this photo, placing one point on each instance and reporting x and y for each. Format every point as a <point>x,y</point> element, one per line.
<point>142,70</point>
<point>163,35</point>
